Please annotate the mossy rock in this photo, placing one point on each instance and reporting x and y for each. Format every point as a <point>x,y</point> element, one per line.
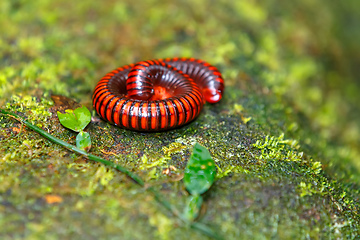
<point>287,160</point>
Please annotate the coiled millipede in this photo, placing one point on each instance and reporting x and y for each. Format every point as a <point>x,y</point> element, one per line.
<point>157,95</point>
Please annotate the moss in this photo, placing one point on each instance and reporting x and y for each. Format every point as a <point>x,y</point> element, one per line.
<point>284,137</point>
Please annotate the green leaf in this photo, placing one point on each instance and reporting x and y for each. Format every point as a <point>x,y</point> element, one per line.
<point>75,120</point>
<point>200,171</point>
<point>193,206</point>
<point>83,141</point>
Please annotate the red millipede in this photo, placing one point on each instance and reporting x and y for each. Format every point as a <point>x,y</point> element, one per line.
<point>157,95</point>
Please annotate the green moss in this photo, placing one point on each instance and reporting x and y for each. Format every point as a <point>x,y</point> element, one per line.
<point>36,109</point>
<point>279,149</point>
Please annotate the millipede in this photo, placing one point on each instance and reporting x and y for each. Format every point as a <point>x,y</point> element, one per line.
<point>157,95</point>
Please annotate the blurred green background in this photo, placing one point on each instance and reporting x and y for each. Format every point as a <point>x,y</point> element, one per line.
<point>303,53</point>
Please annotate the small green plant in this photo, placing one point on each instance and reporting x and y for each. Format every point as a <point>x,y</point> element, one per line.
<point>199,175</point>
<point>77,120</point>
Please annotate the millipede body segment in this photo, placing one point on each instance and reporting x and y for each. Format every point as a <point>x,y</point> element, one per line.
<point>157,95</point>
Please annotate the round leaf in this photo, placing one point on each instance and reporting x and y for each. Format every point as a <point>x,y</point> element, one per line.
<point>75,120</point>
<point>200,171</point>
<point>83,141</point>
